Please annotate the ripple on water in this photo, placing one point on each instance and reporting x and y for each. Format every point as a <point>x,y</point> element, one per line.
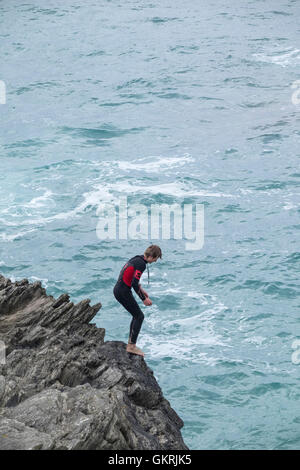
<point>277,289</point>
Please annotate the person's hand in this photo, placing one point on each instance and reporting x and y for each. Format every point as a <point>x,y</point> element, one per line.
<point>147,301</point>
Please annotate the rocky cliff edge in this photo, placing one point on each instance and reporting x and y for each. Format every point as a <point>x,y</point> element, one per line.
<point>63,387</point>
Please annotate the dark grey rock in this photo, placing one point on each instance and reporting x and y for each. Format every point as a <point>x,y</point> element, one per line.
<point>63,387</point>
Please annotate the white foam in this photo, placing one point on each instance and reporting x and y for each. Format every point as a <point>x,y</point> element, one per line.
<point>11,238</point>
<point>179,347</point>
<point>282,58</point>
<point>172,290</point>
<point>204,298</point>
<point>90,199</point>
<point>33,213</point>
<point>156,163</point>
<point>151,163</point>
<point>175,189</point>
<point>39,201</point>
<point>245,191</point>
<point>289,205</point>
<point>200,318</point>
<point>44,281</point>
<point>255,340</point>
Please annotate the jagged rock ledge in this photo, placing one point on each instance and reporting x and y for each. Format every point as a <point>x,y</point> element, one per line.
<point>63,387</point>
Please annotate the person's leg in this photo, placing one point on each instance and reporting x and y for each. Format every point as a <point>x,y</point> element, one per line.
<point>135,326</point>
<point>130,329</point>
<point>129,303</point>
<point>132,307</point>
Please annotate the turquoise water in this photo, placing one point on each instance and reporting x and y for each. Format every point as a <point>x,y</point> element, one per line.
<point>166,102</point>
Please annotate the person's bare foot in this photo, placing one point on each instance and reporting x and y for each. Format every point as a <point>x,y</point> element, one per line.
<point>131,348</point>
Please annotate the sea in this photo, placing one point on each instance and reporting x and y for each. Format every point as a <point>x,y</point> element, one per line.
<point>166,103</point>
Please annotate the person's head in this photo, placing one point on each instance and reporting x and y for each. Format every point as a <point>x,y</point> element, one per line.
<point>152,253</point>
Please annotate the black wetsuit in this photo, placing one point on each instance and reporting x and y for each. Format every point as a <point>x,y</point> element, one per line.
<point>129,277</point>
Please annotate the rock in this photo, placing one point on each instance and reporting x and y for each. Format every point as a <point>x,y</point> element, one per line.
<point>14,435</point>
<point>63,387</point>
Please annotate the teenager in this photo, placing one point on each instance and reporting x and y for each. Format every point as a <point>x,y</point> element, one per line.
<point>129,277</point>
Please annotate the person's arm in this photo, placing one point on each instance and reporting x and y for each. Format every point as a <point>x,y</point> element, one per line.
<point>137,286</point>
<point>144,292</point>
<point>139,269</point>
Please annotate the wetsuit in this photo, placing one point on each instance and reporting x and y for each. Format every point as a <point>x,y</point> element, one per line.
<point>129,277</point>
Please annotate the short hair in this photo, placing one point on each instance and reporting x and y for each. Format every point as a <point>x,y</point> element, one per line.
<point>154,251</point>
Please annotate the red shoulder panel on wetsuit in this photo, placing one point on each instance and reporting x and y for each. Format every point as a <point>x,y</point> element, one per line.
<point>128,275</point>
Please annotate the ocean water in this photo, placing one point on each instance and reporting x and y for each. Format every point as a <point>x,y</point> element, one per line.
<point>166,102</point>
